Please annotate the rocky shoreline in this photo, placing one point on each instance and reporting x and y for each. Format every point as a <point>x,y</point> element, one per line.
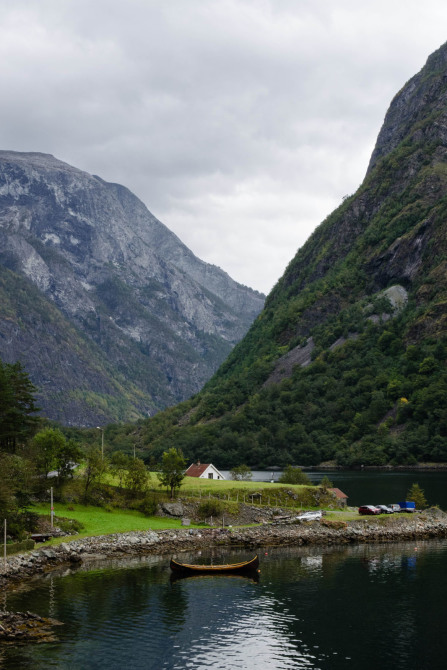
<point>424,525</point>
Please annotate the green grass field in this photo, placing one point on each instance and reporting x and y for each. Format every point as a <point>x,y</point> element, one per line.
<point>213,485</point>
<point>195,485</point>
<point>98,521</point>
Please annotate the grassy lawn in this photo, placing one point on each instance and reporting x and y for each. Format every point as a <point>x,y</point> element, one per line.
<point>98,521</point>
<point>227,485</point>
<point>343,515</point>
<point>195,484</point>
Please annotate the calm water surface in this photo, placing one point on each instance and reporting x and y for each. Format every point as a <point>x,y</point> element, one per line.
<point>362,607</point>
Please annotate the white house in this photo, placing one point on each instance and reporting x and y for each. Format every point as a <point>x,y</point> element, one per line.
<point>204,471</point>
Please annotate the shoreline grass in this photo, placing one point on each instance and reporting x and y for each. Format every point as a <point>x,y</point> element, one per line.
<point>99,521</point>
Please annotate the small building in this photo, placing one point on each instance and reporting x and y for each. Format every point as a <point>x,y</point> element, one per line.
<point>203,471</point>
<point>342,498</point>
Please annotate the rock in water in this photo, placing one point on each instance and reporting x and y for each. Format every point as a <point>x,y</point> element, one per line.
<point>17,627</point>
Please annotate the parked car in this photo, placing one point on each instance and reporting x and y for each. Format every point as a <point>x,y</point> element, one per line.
<point>368,509</point>
<point>384,509</point>
<point>395,507</point>
<point>310,516</point>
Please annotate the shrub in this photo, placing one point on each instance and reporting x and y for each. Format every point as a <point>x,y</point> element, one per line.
<point>71,526</point>
<point>148,505</point>
<point>210,507</point>
<point>334,524</point>
<point>241,473</point>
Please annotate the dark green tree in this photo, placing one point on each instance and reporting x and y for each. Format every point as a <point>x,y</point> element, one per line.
<point>48,444</point>
<point>16,487</point>
<point>95,468</point>
<point>119,465</point>
<point>137,477</point>
<point>172,469</point>
<point>416,494</point>
<point>68,455</point>
<point>17,406</point>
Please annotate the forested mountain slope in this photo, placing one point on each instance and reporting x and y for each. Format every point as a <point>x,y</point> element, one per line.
<point>110,314</point>
<point>347,361</point>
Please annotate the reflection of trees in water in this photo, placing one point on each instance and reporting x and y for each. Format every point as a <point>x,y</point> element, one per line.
<point>173,606</point>
<point>90,600</point>
<point>363,602</point>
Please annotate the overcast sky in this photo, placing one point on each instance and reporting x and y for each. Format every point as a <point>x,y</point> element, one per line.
<point>241,124</point>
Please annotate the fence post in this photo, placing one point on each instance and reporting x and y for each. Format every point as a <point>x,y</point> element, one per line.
<point>4,546</point>
<point>52,508</point>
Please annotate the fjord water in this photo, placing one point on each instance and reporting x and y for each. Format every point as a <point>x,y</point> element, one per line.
<point>359,607</point>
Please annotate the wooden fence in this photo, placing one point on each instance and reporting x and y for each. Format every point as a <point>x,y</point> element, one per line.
<point>258,499</point>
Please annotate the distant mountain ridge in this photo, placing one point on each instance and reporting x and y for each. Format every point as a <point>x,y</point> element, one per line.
<point>136,306</point>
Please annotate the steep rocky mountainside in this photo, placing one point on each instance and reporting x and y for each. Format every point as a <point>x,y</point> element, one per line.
<point>111,315</point>
<point>347,361</point>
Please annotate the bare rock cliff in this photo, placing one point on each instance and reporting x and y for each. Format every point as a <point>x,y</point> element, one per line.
<point>159,319</point>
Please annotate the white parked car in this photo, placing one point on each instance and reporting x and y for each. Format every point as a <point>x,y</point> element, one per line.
<point>310,516</point>
<point>395,507</point>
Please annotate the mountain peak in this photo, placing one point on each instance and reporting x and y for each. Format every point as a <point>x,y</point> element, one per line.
<point>411,109</point>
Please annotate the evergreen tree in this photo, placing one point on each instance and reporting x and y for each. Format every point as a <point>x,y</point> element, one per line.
<point>416,494</point>
<point>17,406</point>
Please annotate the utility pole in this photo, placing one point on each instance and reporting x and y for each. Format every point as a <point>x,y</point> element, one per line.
<point>52,508</point>
<point>102,440</point>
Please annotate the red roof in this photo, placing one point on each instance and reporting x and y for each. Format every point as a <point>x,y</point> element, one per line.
<point>196,469</point>
<point>338,494</point>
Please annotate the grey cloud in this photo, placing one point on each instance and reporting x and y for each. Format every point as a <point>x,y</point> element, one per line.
<point>240,123</point>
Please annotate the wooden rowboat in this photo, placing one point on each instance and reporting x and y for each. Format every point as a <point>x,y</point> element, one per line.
<point>232,568</point>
